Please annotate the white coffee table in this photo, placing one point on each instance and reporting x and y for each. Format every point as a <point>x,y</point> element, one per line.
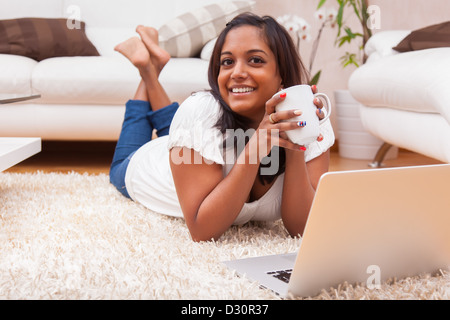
<point>15,150</point>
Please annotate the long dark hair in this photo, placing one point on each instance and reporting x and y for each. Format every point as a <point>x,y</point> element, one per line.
<point>290,66</point>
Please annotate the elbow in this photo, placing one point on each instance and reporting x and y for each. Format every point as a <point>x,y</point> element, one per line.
<point>296,232</point>
<point>295,223</point>
<point>202,231</point>
<point>203,238</point>
<point>198,240</point>
<point>201,235</point>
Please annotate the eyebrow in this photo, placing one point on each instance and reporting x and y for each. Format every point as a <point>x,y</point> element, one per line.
<point>249,51</point>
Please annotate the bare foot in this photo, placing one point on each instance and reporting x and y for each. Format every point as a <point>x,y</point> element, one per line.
<point>135,50</point>
<point>149,37</point>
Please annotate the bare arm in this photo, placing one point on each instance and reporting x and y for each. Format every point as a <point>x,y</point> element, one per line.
<point>210,202</point>
<point>300,183</point>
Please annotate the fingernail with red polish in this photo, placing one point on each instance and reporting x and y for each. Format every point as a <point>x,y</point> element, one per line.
<point>314,87</point>
<point>283,95</point>
<point>302,148</point>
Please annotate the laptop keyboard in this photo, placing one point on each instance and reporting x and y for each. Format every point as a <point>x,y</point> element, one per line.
<point>283,275</point>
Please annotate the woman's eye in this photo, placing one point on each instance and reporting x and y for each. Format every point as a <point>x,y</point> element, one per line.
<point>256,60</point>
<point>226,62</point>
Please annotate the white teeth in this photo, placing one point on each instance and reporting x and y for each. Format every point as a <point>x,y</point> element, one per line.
<point>242,90</point>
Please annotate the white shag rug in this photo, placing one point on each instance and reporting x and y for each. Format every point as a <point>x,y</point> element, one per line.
<point>73,236</point>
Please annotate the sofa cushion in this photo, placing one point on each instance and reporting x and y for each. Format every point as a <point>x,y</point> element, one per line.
<point>106,39</point>
<point>424,133</point>
<point>208,49</point>
<point>40,38</point>
<point>85,80</point>
<point>183,76</point>
<point>185,35</point>
<point>435,36</point>
<point>15,73</point>
<point>413,81</point>
<point>111,80</point>
<point>381,43</point>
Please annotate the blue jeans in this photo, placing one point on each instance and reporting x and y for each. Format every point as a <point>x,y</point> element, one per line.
<point>137,128</point>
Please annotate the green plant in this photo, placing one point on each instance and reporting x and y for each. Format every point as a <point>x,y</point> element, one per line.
<point>346,35</point>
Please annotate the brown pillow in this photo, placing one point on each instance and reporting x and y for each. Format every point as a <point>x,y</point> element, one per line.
<point>40,38</point>
<point>435,36</point>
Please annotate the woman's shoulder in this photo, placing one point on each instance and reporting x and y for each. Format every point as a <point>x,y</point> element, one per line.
<point>200,107</point>
<point>194,126</point>
<point>200,101</point>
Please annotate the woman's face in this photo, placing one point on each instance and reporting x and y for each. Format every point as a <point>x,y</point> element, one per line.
<point>248,75</point>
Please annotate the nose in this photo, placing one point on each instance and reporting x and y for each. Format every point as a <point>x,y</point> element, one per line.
<point>239,70</point>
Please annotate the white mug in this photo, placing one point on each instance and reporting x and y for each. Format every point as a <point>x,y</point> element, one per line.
<point>301,97</point>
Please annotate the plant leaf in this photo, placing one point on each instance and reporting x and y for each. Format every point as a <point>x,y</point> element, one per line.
<point>343,40</point>
<point>321,3</point>
<point>315,79</point>
<point>348,59</point>
<point>349,32</point>
<point>340,15</point>
<point>356,9</point>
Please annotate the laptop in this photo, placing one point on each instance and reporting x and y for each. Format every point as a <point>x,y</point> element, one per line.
<point>365,226</point>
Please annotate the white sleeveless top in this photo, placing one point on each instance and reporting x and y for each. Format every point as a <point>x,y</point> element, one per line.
<point>149,178</point>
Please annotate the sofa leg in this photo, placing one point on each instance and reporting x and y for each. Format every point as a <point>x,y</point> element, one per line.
<point>381,153</point>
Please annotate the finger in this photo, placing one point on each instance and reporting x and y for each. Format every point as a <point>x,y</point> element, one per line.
<point>314,88</point>
<point>283,135</point>
<point>289,125</point>
<point>318,103</point>
<point>287,144</point>
<point>272,102</point>
<point>285,115</point>
<point>320,114</point>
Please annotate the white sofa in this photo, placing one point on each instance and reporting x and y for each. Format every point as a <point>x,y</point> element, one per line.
<point>405,96</point>
<point>82,98</point>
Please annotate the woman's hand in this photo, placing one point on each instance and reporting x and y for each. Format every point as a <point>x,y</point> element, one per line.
<point>273,128</point>
<point>319,104</point>
<point>276,130</point>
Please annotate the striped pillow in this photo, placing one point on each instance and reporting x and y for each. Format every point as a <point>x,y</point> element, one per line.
<point>185,35</point>
<point>41,38</point>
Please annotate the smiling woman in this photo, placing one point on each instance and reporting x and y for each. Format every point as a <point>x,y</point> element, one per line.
<point>248,74</point>
<point>209,182</point>
<point>277,46</point>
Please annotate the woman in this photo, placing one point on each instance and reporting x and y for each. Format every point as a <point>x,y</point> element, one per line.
<point>193,172</point>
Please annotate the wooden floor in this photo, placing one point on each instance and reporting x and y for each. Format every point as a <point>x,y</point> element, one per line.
<point>95,158</point>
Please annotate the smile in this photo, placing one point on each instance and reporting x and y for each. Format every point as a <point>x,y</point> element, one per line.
<point>242,90</point>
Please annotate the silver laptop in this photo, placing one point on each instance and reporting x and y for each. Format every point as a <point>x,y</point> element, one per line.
<point>365,227</point>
